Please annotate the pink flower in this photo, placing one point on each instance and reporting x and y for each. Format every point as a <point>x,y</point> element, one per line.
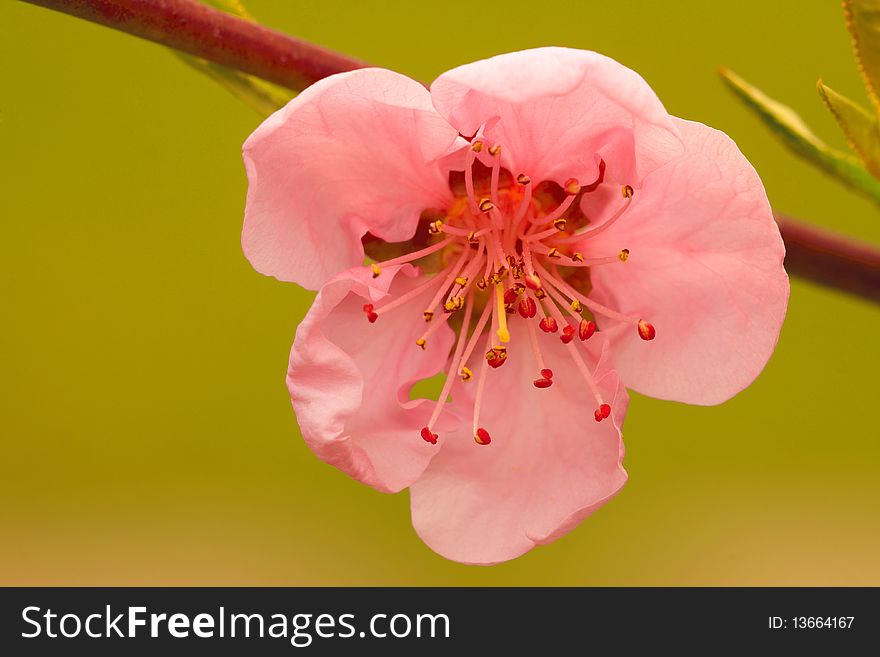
<point>520,204</point>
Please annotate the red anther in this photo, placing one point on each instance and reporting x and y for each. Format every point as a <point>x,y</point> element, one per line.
<point>510,296</point>
<point>372,316</point>
<point>542,383</point>
<point>567,334</point>
<point>646,330</point>
<point>368,308</point>
<point>547,373</point>
<point>429,436</point>
<point>482,437</point>
<point>586,329</point>
<point>527,308</point>
<point>602,412</point>
<point>571,186</point>
<point>495,363</point>
<point>532,282</point>
<point>548,325</point>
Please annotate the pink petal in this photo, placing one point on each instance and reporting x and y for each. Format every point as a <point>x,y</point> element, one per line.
<point>349,380</point>
<point>355,152</point>
<point>549,465</point>
<point>705,269</point>
<point>555,111</point>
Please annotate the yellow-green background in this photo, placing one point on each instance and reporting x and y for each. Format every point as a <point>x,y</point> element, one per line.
<point>146,435</point>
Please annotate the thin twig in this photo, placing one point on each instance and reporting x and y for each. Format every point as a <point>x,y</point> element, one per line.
<point>830,259</point>
<point>211,34</point>
<point>812,253</point>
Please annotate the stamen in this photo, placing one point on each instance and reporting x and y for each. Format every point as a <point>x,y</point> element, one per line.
<point>451,275</point>
<point>478,398</point>
<point>646,330</point>
<point>429,436</point>
<point>450,374</point>
<point>592,232</point>
<point>475,336</point>
<point>475,148</point>
<point>546,373</point>
<point>579,361</point>
<point>569,291</point>
<point>372,316</point>
<point>602,412</point>
<point>376,269</point>
<point>422,342</point>
<point>527,308</point>
<point>495,151</point>
<point>578,259</point>
<point>558,212</point>
<point>586,329</point>
<point>524,204</point>
<point>415,255</point>
<point>482,437</point>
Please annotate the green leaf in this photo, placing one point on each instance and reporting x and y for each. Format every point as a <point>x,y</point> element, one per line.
<point>859,126</point>
<point>261,96</point>
<point>794,133</point>
<point>863,23</point>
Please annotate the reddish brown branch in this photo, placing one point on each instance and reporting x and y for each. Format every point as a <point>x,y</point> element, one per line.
<point>830,259</point>
<point>194,28</point>
<point>214,35</point>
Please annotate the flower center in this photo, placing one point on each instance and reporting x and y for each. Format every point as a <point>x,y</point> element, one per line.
<point>507,248</point>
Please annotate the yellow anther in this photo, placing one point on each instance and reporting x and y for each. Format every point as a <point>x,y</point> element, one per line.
<point>472,237</point>
<point>461,280</point>
<point>477,146</point>
<point>376,269</point>
<point>486,205</point>
<point>421,342</point>
<point>523,179</point>
<point>553,253</point>
<point>539,293</point>
<point>576,305</point>
<point>627,191</point>
<point>465,374</point>
<point>572,186</point>
<point>495,149</point>
<point>623,255</point>
<point>428,315</point>
<point>503,333</point>
<point>481,284</point>
<point>435,227</point>
<point>577,256</point>
<point>453,304</point>
<point>559,224</point>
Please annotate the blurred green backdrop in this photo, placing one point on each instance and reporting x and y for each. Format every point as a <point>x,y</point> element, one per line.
<point>147,436</point>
